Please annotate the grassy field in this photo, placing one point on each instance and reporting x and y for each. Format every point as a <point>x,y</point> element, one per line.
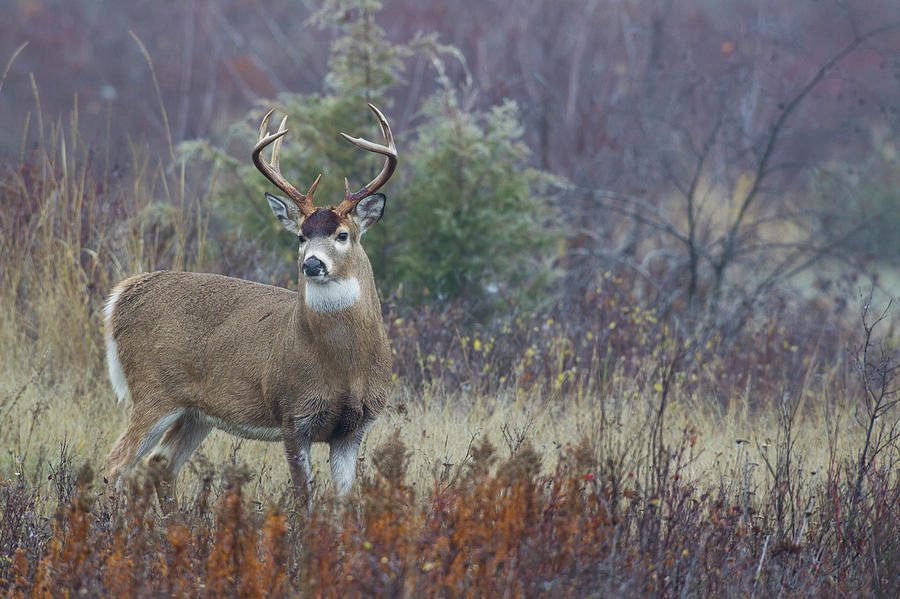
<point>597,452</point>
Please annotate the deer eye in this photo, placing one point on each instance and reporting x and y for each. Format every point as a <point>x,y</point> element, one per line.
<point>342,236</point>
<point>302,239</point>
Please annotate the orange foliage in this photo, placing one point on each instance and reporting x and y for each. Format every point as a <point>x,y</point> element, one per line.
<point>500,528</point>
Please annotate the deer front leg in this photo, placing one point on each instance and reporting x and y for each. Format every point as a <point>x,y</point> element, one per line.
<point>343,456</point>
<point>296,446</point>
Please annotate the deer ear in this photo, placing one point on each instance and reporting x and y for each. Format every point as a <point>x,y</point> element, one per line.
<point>368,211</point>
<point>286,212</point>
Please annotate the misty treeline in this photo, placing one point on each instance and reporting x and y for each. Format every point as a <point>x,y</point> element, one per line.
<point>707,153</point>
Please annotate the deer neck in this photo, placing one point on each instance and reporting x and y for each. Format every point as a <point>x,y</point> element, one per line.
<point>341,320</point>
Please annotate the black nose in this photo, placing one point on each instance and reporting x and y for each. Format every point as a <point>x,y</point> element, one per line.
<point>313,267</point>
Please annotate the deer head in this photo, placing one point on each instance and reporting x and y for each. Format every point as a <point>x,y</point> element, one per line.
<point>330,249</point>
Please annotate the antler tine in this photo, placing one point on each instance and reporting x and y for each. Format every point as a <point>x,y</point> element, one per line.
<point>389,151</point>
<point>276,147</point>
<point>272,169</point>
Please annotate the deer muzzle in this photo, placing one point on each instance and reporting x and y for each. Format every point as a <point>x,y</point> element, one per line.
<point>314,268</point>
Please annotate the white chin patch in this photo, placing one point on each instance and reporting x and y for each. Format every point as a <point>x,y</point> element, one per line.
<point>333,295</point>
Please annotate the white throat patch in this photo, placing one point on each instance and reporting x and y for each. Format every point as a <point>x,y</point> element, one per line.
<point>333,295</point>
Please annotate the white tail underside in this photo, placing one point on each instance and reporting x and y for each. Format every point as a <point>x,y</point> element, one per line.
<point>116,373</point>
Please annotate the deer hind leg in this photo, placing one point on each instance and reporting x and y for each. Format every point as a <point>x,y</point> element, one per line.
<point>173,450</point>
<point>144,431</point>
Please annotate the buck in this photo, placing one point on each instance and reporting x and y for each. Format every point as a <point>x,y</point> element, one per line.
<point>201,351</point>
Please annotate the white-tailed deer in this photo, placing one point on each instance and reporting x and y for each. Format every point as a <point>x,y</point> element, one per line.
<point>201,351</point>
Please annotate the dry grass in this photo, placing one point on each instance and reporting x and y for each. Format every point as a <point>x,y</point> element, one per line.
<point>44,408</point>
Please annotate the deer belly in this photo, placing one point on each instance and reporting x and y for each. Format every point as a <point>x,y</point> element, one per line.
<point>257,433</point>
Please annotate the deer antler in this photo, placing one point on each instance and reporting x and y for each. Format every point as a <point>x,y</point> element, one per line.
<point>390,163</point>
<point>272,170</point>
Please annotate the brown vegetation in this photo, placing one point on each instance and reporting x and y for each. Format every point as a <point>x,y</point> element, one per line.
<point>499,528</point>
